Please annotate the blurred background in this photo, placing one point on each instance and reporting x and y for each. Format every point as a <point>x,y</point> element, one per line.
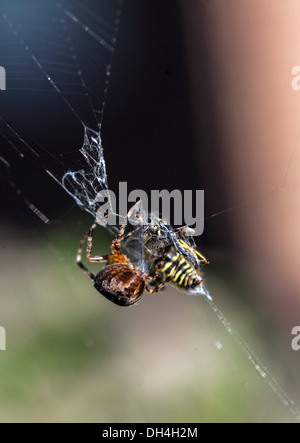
<point>199,97</point>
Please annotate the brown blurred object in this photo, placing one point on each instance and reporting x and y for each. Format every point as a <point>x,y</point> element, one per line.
<point>250,48</point>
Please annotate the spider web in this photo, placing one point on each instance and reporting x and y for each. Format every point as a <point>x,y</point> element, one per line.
<point>49,58</point>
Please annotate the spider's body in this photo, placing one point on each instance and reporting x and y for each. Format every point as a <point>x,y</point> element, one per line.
<point>121,283</point>
<point>168,258</point>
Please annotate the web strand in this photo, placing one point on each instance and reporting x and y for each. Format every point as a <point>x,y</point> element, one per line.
<point>253,358</point>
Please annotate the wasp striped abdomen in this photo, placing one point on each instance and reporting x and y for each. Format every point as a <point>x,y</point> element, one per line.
<point>180,271</point>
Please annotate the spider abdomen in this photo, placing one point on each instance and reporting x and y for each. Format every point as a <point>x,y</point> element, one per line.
<point>120,283</point>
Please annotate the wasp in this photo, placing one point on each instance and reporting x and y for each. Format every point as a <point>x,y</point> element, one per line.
<point>172,256</point>
<point>166,253</point>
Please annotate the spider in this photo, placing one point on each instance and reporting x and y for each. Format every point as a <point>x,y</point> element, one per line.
<point>120,281</point>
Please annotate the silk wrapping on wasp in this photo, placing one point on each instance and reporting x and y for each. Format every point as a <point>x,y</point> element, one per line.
<point>168,256</point>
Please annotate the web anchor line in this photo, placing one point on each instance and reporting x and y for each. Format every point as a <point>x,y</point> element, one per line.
<point>253,358</point>
<point>43,67</point>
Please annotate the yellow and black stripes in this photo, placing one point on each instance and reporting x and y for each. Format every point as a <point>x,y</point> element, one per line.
<point>180,270</point>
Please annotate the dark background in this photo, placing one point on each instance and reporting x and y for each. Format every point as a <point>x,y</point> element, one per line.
<point>148,128</point>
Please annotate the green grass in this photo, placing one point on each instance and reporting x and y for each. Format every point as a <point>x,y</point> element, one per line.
<point>73,356</point>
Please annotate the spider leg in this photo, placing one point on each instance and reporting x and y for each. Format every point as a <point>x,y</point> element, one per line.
<point>116,243</point>
<point>78,258</point>
<point>97,258</point>
<point>125,237</point>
